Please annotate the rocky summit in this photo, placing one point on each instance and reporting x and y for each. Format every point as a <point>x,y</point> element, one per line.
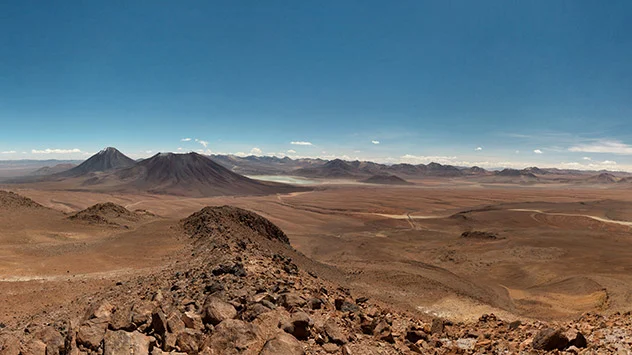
<point>240,288</point>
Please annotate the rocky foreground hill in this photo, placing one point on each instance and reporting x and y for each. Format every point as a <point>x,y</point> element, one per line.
<point>240,288</point>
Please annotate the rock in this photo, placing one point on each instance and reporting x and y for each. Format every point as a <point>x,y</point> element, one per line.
<point>255,311</point>
<point>142,314</point>
<point>414,335</point>
<point>550,339</point>
<point>216,310</point>
<point>34,347</point>
<point>101,310</point>
<point>383,332</point>
<point>90,333</point>
<point>122,342</point>
<point>159,323</point>
<point>233,336</point>
<point>315,303</point>
<point>291,301</point>
<point>188,341</point>
<point>53,340</point>
<point>466,343</point>
<point>437,326</point>
<point>122,319</point>
<point>175,323</point>
<point>346,306</point>
<point>515,324</point>
<point>579,341</point>
<point>283,343</point>
<point>299,325</point>
<point>334,333</point>
<point>331,348</point>
<point>192,320</point>
<point>9,344</point>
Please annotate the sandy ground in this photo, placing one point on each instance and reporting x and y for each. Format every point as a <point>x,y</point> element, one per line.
<point>561,251</point>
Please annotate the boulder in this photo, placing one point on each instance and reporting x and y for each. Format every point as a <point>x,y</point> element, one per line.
<point>579,341</point>
<point>192,320</point>
<point>550,339</point>
<point>91,332</point>
<point>282,344</point>
<point>334,333</point>
<point>55,343</point>
<point>216,310</point>
<point>189,341</point>
<point>233,336</point>
<point>34,347</point>
<point>299,325</point>
<point>122,342</point>
<point>291,300</point>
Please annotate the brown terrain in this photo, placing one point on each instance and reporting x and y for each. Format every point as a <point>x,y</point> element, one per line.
<point>456,263</point>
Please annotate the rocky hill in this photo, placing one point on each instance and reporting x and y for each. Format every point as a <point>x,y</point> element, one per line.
<point>108,214</point>
<point>12,201</point>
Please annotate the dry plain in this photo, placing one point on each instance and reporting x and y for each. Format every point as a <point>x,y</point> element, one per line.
<point>560,250</point>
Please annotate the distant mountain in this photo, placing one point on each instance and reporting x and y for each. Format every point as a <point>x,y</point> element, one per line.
<point>475,170</point>
<point>264,165</point>
<point>340,169</point>
<point>189,174</point>
<point>386,179</point>
<point>535,170</point>
<point>603,178</point>
<point>334,169</point>
<point>109,159</point>
<point>515,173</point>
<point>50,170</point>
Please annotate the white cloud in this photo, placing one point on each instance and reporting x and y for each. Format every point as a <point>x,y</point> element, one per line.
<point>478,149</point>
<point>301,143</point>
<point>204,143</point>
<point>55,151</point>
<point>587,158</point>
<point>186,139</point>
<point>537,151</point>
<point>291,151</point>
<point>422,159</point>
<point>255,151</point>
<point>148,151</point>
<point>375,142</point>
<point>9,152</point>
<point>604,146</point>
<point>609,162</point>
<point>179,148</point>
<point>241,154</point>
<point>517,152</point>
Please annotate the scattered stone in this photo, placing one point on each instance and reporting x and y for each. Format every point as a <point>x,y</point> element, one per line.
<point>550,339</point>
<point>282,344</point>
<point>216,310</point>
<point>334,333</point>
<point>122,342</point>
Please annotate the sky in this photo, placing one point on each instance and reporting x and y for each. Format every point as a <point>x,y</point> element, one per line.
<point>487,83</point>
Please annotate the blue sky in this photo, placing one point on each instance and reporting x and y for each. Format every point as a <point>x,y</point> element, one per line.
<point>493,83</point>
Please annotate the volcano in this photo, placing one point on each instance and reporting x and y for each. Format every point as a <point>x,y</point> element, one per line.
<point>109,159</point>
<point>192,175</point>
